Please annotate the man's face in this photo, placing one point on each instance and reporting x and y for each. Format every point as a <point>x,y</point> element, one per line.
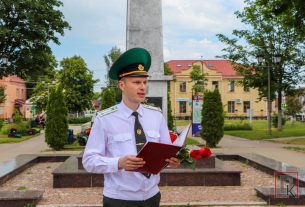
<point>133,88</point>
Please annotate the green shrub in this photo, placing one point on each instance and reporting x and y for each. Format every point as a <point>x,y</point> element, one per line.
<point>17,116</point>
<point>212,118</point>
<point>79,120</point>
<point>57,122</point>
<point>21,127</point>
<point>231,127</point>
<point>1,123</point>
<point>275,118</point>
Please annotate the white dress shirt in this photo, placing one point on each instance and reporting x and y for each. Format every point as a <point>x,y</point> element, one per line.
<point>111,137</point>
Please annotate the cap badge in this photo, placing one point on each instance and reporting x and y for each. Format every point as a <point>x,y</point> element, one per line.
<point>140,67</point>
<point>139,131</point>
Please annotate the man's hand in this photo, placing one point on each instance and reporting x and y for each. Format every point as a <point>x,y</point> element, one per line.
<point>173,162</point>
<point>130,162</point>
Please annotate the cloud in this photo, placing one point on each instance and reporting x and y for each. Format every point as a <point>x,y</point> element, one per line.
<point>189,29</point>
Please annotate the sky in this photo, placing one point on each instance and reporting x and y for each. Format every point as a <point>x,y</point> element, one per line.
<point>189,30</point>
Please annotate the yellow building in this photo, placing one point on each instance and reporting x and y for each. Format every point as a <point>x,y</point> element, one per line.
<point>237,100</point>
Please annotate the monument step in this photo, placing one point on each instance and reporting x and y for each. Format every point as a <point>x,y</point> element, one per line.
<point>20,198</point>
<point>202,163</point>
<point>68,174</point>
<point>273,197</point>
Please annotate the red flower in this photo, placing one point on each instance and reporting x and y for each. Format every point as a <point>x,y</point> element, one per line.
<point>196,154</point>
<point>87,131</point>
<point>172,136</point>
<point>205,152</point>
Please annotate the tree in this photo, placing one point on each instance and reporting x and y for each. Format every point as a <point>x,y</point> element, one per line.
<point>110,58</point>
<point>266,35</point>
<point>293,106</point>
<point>26,29</point>
<point>296,10</point>
<point>57,122</point>
<point>108,98</point>
<point>212,118</point>
<point>170,120</point>
<point>2,94</point>
<point>197,77</point>
<point>77,82</point>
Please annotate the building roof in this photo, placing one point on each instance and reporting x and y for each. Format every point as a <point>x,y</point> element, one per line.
<point>223,66</point>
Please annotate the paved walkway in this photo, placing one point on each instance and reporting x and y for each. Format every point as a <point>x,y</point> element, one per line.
<point>230,145</point>
<point>31,146</point>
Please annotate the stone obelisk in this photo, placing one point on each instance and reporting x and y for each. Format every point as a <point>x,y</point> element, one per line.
<point>144,29</point>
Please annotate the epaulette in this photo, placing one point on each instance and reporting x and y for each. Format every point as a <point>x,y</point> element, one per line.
<point>108,111</point>
<point>152,108</point>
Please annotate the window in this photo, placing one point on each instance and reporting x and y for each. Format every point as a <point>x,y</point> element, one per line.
<point>17,93</point>
<point>231,86</point>
<point>183,87</point>
<point>182,106</point>
<point>214,85</point>
<point>246,106</point>
<point>231,106</point>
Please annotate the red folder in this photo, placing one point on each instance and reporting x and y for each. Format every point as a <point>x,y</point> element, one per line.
<point>154,154</point>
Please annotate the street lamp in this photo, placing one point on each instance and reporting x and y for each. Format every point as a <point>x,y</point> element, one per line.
<point>48,84</point>
<point>4,62</point>
<point>276,59</point>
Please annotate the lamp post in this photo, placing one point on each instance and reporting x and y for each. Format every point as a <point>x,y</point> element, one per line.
<point>4,62</point>
<point>48,84</point>
<point>276,59</point>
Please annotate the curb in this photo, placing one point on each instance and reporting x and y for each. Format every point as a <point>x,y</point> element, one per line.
<point>181,204</point>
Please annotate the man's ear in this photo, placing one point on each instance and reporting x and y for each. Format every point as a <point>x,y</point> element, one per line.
<point>120,84</point>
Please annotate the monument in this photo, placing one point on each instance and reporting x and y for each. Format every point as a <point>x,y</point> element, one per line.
<point>144,29</point>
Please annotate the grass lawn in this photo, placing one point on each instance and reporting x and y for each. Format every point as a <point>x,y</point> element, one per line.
<point>297,141</point>
<point>299,149</point>
<point>182,122</point>
<point>4,139</point>
<point>260,130</point>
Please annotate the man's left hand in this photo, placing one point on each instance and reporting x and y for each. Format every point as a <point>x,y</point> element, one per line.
<point>173,162</point>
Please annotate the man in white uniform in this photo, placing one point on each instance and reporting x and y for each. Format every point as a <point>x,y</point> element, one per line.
<point>119,132</point>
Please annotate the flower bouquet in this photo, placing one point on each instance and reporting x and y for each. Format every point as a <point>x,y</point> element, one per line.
<point>188,156</point>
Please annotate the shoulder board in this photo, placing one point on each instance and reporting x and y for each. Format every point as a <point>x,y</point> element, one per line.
<point>108,111</point>
<point>152,107</point>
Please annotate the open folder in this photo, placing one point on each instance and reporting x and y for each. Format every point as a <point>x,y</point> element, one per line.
<point>154,154</point>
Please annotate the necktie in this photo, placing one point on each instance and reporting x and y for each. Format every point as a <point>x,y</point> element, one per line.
<point>140,136</point>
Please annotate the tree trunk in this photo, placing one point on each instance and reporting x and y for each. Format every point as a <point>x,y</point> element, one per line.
<point>279,114</point>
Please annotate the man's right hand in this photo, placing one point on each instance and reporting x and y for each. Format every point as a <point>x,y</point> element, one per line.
<point>130,162</point>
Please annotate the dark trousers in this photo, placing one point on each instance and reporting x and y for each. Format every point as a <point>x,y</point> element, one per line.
<point>151,202</point>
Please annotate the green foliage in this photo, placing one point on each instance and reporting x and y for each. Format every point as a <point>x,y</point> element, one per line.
<point>230,127</point>
<point>21,127</point>
<point>212,118</point>
<point>293,105</point>
<point>197,77</point>
<point>79,120</point>
<point>110,58</point>
<point>1,123</point>
<point>167,69</point>
<point>2,94</point>
<point>77,82</point>
<point>17,116</point>
<point>275,120</point>
<point>108,98</point>
<point>259,131</point>
<point>27,28</point>
<point>296,11</point>
<point>170,120</point>
<point>56,123</point>
<point>267,35</point>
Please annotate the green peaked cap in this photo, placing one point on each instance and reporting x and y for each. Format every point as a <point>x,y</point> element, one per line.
<point>133,62</point>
